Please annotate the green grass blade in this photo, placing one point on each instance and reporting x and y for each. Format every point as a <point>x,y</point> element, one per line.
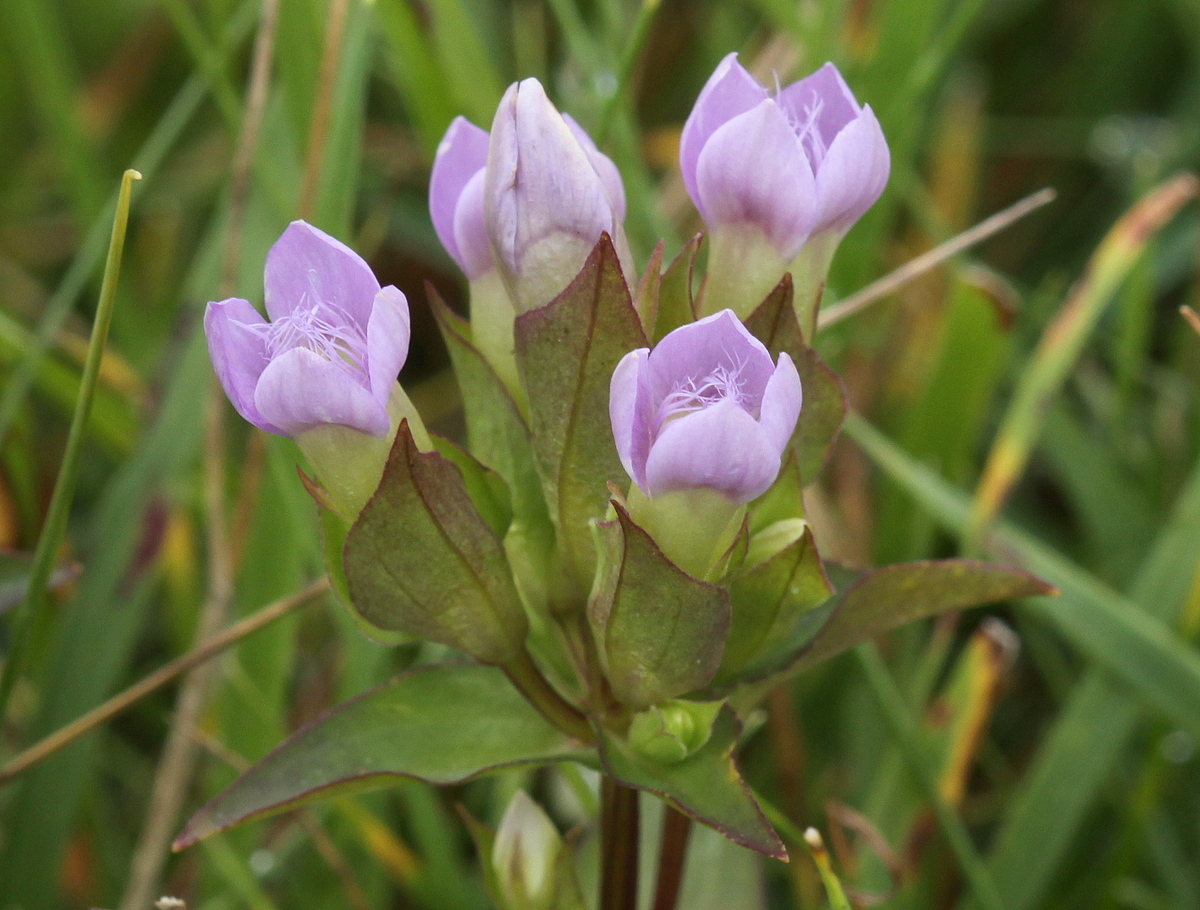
<point>908,737</point>
<point>147,161</point>
<point>1136,647</point>
<point>55,525</point>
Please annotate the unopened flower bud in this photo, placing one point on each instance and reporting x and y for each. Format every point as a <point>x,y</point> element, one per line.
<point>549,194</point>
<point>456,187</point>
<point>323,369</point>
<point>772,174</point>
<point>525,854</point>
<point>700,423</point>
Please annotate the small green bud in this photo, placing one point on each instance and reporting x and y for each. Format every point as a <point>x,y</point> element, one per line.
<point>670,732</point>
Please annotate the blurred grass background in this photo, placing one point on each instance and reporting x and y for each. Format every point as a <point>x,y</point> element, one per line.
<point>1030,756</point>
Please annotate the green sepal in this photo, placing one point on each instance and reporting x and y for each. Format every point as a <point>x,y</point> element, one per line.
<point>784,499</point>
<point>566,353</point>
<point>884,599</point>
<point>768,600</point>
<point>334,527</point>
<point>441,724</point>
<point>421,559</point>
<point>487,489</point>
<point>670,732</point>
<point>498,434</point>
<point>706,785</point>
<point>676,303</point>
<point>484,839</point>
<point>660,632</point>
<point>825,405</point>
<point>645,298</point>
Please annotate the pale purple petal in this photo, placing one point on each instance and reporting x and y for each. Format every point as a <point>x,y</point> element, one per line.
<point>781,404</point>
<point>753,171</point>
<point>696,350</point>
<point>238,350</point>
<point>823,101</point>
<point>300,389</point>
<point>730,91</point>
<point>470,230</point>
<point>720,448</point>
<point>307,267</point>
<point>539,180</point>
<point>461,155</point>
<point>622,406</point>
<point>603,166</point>
<point>853,174</point>
<point>387,341</point>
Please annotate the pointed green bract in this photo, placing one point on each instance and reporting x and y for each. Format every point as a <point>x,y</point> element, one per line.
<point>441,724</point>
<point>421,559</point>
<point>660,632</point>
<point>824,408</point>
<point>706,786</point>
<point>769,598</point>
<point>566,353</point>
<point>487,489</point>
<point>676,304</point>
<point>884,599</point>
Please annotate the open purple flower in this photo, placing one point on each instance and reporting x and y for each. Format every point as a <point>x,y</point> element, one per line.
<point>808,160</point>
<point>456,197</point>
<point>705,409</point>
<point>333,346</point>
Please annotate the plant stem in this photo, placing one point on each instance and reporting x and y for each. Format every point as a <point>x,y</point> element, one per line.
<point>671,855</point>
<point>528,679</point>
<point>618,845</point>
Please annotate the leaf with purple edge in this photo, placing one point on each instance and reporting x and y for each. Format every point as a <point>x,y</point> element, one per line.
<point>566,353</point>
<point>441,724</point>
<point>884,599</point>
<point>421,559</point>
<point>825,405</point>
<point>706,785</point>
<point>660,631</point>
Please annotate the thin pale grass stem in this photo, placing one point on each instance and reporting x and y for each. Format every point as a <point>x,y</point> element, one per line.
<point>318,132</point>
<point>122,701</point>
<point>917,267</point>
<point>180,752</point>
<point>1191,316</point>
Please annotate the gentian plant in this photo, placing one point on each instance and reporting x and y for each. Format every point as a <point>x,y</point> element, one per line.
<point>621,549</point>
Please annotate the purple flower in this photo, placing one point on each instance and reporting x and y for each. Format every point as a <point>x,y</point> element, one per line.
<point>548,195</point>
<point>456,197</point>
<point>331,351</point>
<point>706,409</point>
<point>806,161</point>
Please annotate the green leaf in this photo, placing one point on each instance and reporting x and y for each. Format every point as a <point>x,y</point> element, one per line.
<point>676,305</point>
<point>660,631</point>
<point>706,785</point>
<point>824,406</point>
<point>421,559</point>
<point>487,489</point>
<point>442,724</point>
<point>566,353</point>
<point>884,599</point>
<point>769,598</point>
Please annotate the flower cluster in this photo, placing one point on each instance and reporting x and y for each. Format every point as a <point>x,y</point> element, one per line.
<point>623,548</point>
<point>701,422</point>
